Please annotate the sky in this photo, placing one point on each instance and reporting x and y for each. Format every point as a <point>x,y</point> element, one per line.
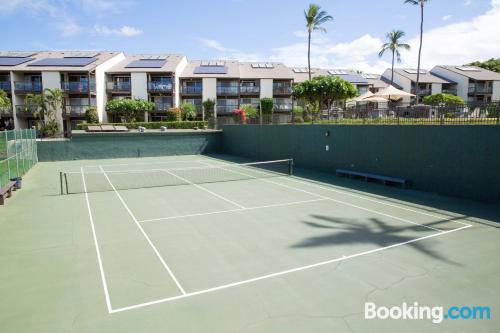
<point>456,31</point>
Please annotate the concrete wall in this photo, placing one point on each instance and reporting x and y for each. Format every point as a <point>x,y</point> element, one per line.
<point>436,88</point>
<point>178,70</point>
<point>139,85</point>
<point>460,161</point>
<point>496,91</point>
<point>17,100</point>
<point>266,88</point>
<point>52,80</point>
<point>462,81</point>
<point>133,144</point>
<point>100,84</point>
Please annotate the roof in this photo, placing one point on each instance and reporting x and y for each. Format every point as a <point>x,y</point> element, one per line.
<point>478,73</point>
<point>252,70</point>
<point>300,74</point>
<point>232,69</point>
<point>375,81</point>
<point>37,56</point>
<point>140,63</point>
<point>352,78</point>
<point>425,75</point>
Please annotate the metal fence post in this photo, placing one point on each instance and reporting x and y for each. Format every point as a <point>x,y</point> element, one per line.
<point>7,151</point>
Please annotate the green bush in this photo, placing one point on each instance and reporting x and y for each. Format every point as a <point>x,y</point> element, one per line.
<point>128,108</point>
<point>308,119</point>
<point>250,111</point>
<point>298,120</point>
<point>152,125</point>
<point>91,115</point>
<point>188,111</point>
<point>208,107</point>
<point>440,99</point>
<point>174,114</point>
<point>298,111</point>
<point>267,105</point>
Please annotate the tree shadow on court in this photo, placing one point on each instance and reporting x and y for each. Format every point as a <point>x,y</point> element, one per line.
<point>371,231</point>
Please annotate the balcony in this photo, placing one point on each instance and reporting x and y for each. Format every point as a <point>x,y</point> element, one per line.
<point>249,90</point>
<point>227,90</point>
<point>75,110</point>
<point>421,91</point>
<point>26,110</point>
<point>6,111</point>
<point>160,87</point>
<point>480,90</point>
<point>225,109</point>
<point>27,87</point>
<point>81,87</point>
<point>118,87</point>
<point>283,107</point>
<point>5,86</point>
<point>161,107</point>
<point>191,90</point>
<point>451,91</point>
<point>282,90</point>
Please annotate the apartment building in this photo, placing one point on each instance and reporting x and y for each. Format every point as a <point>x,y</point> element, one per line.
<point>80,76</point>
<point>473,84</point>
<point>231,83</point>
<point>154,78</point>
<point>429,83</point>
<point>375,82</point>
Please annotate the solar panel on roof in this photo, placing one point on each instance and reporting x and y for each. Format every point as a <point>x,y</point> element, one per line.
<point>210,70</point>
<point>337,72</point>
<point>153,57</point>
<point>146,63</point>
<point>302,70</point>
<point>84,54</point>
<point>262,65</point>
<point>64,62</point>
<point>16,54</point>
<point>13,61</point>
<point>468,69</point>
<point>369,76</point>
<point>414,71</point>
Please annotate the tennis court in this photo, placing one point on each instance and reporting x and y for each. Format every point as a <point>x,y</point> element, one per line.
<point>181,242</point>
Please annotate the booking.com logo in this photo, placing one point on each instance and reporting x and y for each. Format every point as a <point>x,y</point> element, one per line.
<point>434,313</point>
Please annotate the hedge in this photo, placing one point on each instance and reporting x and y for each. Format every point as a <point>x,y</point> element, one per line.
<point>152,125</point>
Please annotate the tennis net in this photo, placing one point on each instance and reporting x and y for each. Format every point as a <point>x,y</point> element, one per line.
<point>102,180</point>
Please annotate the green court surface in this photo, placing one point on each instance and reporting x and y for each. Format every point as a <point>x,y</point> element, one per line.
<point>235,248</point>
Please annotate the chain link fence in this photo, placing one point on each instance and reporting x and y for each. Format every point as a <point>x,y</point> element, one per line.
<point>18,154</point>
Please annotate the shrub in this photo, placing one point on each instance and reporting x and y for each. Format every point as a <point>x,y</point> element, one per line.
<point>250,111</point>
<point>240,116</point>
<point>188,111</point>
<point>307,118</point>
<point>442,99</point>
<point>174,114</point>
<point>128,108</point>
<point>91,115</point>
<point>298,120</point>
<point>152,125</point>
<point>208,107</point>
<point>298,111</point>
<point>267,105</point>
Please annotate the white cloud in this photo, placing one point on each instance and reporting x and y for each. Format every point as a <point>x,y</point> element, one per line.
<point>446,17</point>
<point>461,42</point>
<point>467,2</point>
<point>213,44</point>
<point>126,31</point>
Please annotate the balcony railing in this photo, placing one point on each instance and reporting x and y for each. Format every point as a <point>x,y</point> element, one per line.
<point>227,90</point>
<point>6,111</point>
<point>481,90</point>
<point>192,90</point>
<point>280,90</point>
<point>451,91</point>
<point>421,91</point>
<point>283,107</point>
<point>249,89</point>
<point>159,87</point>
<point>5,85</point>
<point>75,110</point>
<point>26,110</point>
<point>221,109</point>
<point>118,86</point>
<point>77,87</point>
<point>162,107</point>
<point>27,87</point>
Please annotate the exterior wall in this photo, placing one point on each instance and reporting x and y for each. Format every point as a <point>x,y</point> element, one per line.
<point>100,84</point>
<point>139,85</point>
<point>436,88</point>
<point>178,70</point>
<point>52,80</point>
<point>17,100</point>
<point>401,81</point>
<point>496,91</point>
<point>266,88</point>
<point>462,81</point>
<point>209,88</point>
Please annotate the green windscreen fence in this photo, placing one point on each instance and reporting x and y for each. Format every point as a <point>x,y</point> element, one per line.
<point>18,154</point>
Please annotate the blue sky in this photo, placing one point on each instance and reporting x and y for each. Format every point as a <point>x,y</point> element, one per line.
<point>457,30</point>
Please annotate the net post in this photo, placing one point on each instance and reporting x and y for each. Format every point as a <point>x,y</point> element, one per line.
<point>61,182</point>
<point>290,167</point>
<point>66,182</point>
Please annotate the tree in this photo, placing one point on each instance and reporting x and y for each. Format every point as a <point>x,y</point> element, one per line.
<point>128,108</point>
<point>443,100</point>
<point>91,115</point>
<point>394,45</point>
<point>208,108</point>
<point>267,105</point>
<point>250,111</point>
<point>315,17</point>
<point>4,101</point>
<point>53,99</point>
<point>492,64</point>
<point>420,3</point>
<point>188,111</point>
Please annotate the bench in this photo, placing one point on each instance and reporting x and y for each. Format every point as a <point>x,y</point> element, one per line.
<point>367,176</point>
<point>6,191</point>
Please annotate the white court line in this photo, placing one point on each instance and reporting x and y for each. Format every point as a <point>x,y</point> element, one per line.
<point>142,163</point>
<point>332,199</point>
<point>144,234</point>
<point>232,210</point>
<point>204,189</point>
<point>288,271</point>
<point>98,252</point>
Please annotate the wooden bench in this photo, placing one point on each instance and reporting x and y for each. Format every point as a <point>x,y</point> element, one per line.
<point>6,191</point>
<point>367,176</point>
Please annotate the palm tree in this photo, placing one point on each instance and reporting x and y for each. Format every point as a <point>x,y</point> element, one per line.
<point>315,17</point>
<point>394,45</point>
<point>422,4</point>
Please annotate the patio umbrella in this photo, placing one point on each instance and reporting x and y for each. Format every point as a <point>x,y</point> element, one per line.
<point>392,93</point>
<point>375,99</point>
